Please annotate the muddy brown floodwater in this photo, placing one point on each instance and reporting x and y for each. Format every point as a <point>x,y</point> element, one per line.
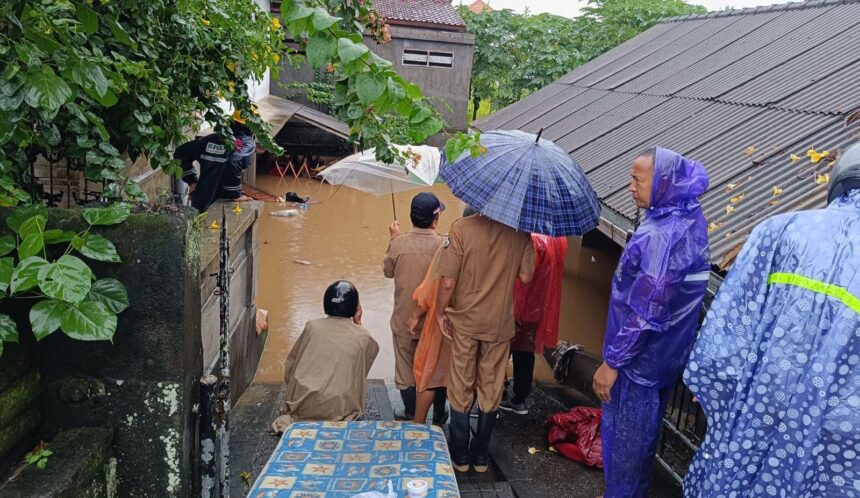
<point>342,237</point>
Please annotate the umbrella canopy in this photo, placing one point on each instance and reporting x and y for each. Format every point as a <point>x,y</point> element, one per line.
<point>363,172</point>
<point>527,183</point>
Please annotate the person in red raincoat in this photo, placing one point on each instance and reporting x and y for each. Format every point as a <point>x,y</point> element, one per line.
<point>536,311</point>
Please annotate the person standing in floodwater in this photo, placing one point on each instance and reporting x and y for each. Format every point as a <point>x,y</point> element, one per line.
<point>657,294</point>
<point>406,261</point>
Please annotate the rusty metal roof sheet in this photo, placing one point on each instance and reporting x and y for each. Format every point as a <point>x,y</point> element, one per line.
<point>747,92</point>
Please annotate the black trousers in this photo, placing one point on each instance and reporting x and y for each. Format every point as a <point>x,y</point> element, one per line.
<point>524,368</point>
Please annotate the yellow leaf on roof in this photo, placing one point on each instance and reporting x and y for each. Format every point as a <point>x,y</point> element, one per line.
<point>713,227</point>
<point>815,157</point>
<point>774,202</point>
<point>810,152</point>
<point>749,150</point>
<point>730,209</point>
<point>738,198</point>
<point>794,158</point>
<point>731,186</point>
<point>822,179</point>
<point>776,190</point>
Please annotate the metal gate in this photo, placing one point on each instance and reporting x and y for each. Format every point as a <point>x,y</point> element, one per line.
<point>215,390</point>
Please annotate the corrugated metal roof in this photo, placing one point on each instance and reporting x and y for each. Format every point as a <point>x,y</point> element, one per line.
<point>741,91</point>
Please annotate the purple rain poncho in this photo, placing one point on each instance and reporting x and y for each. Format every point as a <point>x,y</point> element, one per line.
<point>661,278</point>
<point>657,294</point>
<point>777,363</point>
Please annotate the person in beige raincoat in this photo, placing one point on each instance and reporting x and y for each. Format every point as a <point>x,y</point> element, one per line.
<point>325,371</point>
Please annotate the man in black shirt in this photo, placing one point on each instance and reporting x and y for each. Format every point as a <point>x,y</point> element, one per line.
<point>221,164</point>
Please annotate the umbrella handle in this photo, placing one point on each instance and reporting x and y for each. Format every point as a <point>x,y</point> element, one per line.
<point>537,139</point>
<point>393,208</point>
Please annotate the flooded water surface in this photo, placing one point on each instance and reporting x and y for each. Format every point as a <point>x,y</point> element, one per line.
<point>342,237</point>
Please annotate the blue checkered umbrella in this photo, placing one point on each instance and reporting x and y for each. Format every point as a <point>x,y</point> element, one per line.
<point>527,183</point>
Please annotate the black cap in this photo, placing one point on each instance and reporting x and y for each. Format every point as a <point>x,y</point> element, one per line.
<point>341,299</point>
<point>426,205</point>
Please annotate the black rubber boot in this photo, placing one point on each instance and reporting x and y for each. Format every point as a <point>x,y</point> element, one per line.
<point>481,443</point>
<point>440,414</point>
<point>408,397</point>
<point>459,445</point>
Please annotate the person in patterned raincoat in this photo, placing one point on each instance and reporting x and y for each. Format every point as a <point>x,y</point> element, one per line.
<point>776,363</point>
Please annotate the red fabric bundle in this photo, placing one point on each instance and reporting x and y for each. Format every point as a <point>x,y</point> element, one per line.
<point>576,435</point>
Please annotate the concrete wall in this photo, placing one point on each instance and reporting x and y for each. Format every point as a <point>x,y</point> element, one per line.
<point>246,346</point>
<point>588,271</point>
<point>449,85</point>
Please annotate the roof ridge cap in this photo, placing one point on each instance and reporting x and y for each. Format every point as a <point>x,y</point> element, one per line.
<point>780,7</point>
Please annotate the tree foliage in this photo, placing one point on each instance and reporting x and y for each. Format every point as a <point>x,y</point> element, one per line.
<point>97,82</point>
<point>40,266</point>
<point>516,54</point>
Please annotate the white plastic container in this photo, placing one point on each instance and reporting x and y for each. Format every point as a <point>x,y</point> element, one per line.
<point>416,488</point>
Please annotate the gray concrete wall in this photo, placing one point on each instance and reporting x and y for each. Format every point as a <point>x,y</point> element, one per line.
<point>449,85</point>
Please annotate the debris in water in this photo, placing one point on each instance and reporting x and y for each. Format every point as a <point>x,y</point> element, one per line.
<point>533,450</point>
<point>286,213</point>
<point>302,262</point>
<point>262,320</point>
<point>552,449</point>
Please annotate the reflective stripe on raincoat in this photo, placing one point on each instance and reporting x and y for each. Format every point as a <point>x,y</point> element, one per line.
<point>658,288</point>
<point>777,364</point>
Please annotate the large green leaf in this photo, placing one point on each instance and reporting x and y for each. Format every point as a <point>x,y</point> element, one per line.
<point>300,11</point>
<point>26,274</point>
<point>7,244</point>
<point>349,51</point>
<point>56,236</point>
<point>112,215</point>
<point>31,245</point>
<point>321,48</point>
<point>323,20</point>
<point>111,293</point>
<point>68,279</point>
<point>8,330</point>
<point>46,317</point>
<point>89,19</point>
<point>99,248</point>
<point>89,76</point>
<point>34,225</point>
<point>44,41</point>
<point>88,321</point>
<point>24,213</point>
<point>47,91</point>
<point>368,87</point>
<point>7,266</point>
<point>119,32</point>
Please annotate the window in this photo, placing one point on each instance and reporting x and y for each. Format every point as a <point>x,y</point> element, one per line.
<point>427,58</point>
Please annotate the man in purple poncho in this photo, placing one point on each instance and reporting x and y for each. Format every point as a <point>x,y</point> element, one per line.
<point>654,307</point>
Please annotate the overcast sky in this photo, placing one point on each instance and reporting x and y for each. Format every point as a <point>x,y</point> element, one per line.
<point>570,8</point>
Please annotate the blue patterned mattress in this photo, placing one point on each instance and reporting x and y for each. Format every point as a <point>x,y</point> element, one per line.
<point>342,459</point>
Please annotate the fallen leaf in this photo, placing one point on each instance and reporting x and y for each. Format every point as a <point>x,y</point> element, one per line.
<point>552,449</point>
<point>237,209</point>
<point>822,179</point>
<point>794,158</point>
<point>815,157</point>
<point>776,191</point>
<point>713,227</point>
<point>774,202</point>
<point>749,150</point>
<point>533,450</point>
<point>214,225</point>
<point>737,198</point>
<point>730,209</point>
<point>731,186</point>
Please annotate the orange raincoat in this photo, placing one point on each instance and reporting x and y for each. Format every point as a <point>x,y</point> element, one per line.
<point>434,350</point>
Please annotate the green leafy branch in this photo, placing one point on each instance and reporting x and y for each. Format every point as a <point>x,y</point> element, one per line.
<point>65,292</point>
